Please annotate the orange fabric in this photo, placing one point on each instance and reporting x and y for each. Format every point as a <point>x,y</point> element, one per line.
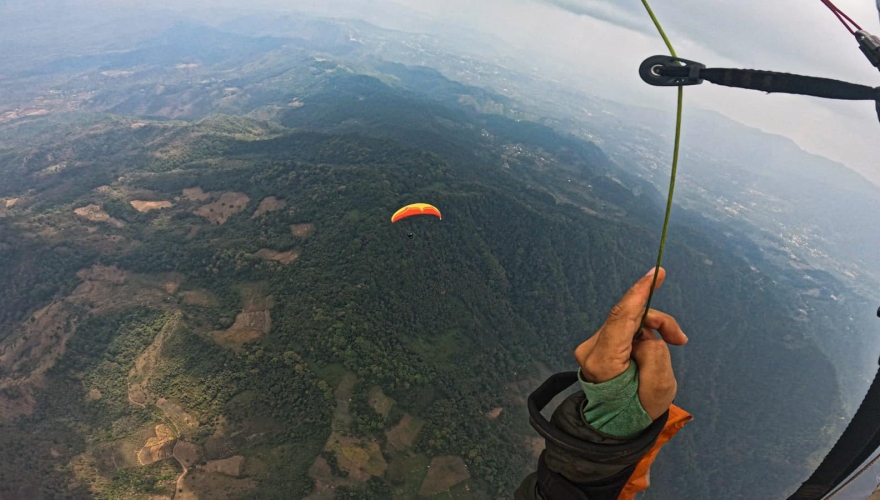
<point>640,479</point>
<point>415,209</point>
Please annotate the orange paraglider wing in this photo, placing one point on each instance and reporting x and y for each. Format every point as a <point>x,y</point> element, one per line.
<point>416,209</point>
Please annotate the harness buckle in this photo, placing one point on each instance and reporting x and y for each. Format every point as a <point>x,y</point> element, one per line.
<point>870,46</point>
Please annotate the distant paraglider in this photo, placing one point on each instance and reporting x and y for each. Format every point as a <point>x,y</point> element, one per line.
<point>415,209</point>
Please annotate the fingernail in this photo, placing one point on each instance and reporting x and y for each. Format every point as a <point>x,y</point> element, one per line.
<point>651,272</point>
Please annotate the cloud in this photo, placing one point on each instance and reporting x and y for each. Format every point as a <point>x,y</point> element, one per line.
<point>605,11</point>
<point>782,34</point>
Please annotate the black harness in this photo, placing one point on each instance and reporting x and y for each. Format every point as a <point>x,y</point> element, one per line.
<point>554,486</point>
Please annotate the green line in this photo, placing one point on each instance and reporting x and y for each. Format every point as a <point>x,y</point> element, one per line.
<point>659,28</point>
<point>671,175</point>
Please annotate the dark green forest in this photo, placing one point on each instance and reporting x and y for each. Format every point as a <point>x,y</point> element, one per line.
<point>541,234</point>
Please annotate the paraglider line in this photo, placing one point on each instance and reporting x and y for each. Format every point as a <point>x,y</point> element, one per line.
<point>671,175</point>
<point>842,15</point>
<point>660,28</point>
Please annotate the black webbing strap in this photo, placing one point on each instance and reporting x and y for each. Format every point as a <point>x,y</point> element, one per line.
<point>554,486</point>
<point>859,440</point>
<point>771,81</point>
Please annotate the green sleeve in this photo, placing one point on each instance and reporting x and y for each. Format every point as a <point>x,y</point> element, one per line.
<point>613,407</point>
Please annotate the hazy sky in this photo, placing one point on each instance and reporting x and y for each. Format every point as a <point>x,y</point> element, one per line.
<point>799,36</point>
<point>603,42</point>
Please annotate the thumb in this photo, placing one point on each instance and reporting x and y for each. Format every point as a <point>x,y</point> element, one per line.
<point>632,305</point>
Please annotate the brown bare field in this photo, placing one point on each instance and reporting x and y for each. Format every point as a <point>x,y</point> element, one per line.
<point>172,285</point>
<point>10,202</point>
<point>17,399</point>
<point>282,257</point>
<point>269,204</point>
<point>325,482</point>
<point>93,394</point>
<point>361,458</point>
<point>110,274</point>
<point>404,434</point>
<point>229,204</point>
<point>115,289</point>
<point>323,491</point>
<point>342,414</point>
<point>92,212</point>
<point>195,194</point>
<point>253,322</point>
<point>231,466</point>
<point>95,213</point>
<point>16,114</point>
<point>257,320</point>
<point>122,452</point>
<point>146,206</point>
<point>198,298</point>
<point>183,422</point>
<point>377,400</point>
<point>187,454</point>
<point>494,413</point>
<point>248,326</point>
<point>54,169</point>
<point>302,230</point>
<point>201,485</point>
<point>158,447</point>
<point>445,472</point>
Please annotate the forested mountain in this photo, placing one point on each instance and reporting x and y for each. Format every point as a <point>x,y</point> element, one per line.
<point>203,297</point>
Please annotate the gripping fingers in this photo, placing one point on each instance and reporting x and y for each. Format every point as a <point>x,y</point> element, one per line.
<point>666,326</point>
<point>657,384</point>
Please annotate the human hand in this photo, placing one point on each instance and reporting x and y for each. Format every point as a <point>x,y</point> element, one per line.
<point>610,350</point>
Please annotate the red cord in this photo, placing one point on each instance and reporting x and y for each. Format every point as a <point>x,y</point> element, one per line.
<point>841,16</point>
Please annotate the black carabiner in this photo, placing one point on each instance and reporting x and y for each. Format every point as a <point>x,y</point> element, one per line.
<point>683,71</point>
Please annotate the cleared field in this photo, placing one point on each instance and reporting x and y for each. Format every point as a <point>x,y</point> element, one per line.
<point>229,204</point>
<point>282,257</point>
<point>444,473</point>
<point>146,206</point>
<point>195,194</point>
<point>302,230</point>
<point>269,204</point>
